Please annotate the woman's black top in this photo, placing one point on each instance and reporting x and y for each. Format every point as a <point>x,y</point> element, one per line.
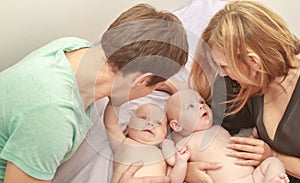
<point>287,136</point>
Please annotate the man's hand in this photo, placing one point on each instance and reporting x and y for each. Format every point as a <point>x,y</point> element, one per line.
<point>127,176</point>
<point>196,172</point>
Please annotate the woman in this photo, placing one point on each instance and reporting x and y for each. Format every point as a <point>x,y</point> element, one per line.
<point>253,46</point>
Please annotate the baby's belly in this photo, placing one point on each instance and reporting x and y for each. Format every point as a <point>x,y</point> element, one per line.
<point>156,169</point>
<point>230,172</point>
<point>214,150</point>
<point>153,160</point>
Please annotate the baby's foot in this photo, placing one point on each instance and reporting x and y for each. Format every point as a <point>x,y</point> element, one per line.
<point>281,178</point>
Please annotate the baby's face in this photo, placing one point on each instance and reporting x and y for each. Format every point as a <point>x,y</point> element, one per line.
<point>148,125</point>
<point>190,110</point>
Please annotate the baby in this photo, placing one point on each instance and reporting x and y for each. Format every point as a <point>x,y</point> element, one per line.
<point>146,130</point>
<point>191,120</point>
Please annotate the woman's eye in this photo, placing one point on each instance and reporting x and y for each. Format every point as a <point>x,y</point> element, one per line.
<point>223,67</point>
<point>190,106</point>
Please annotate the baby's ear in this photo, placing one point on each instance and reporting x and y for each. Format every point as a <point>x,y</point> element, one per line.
<point>175,126</point>
<point>125,132</point>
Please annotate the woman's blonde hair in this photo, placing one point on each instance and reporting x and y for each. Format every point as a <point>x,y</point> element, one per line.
<point>239,27</point>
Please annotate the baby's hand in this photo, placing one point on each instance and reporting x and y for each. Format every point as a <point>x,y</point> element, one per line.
<point>183,154</point>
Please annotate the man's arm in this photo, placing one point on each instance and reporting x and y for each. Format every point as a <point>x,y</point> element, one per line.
<point>14,174</point>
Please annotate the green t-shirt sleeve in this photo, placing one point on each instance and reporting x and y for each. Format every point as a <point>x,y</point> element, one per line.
<point>40,139</point>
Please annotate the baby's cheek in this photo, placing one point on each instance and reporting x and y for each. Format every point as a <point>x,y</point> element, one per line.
<point>189,122</point>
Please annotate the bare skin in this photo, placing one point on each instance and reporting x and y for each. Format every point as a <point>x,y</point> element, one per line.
<point>146,130</point>
<point>209,143</point>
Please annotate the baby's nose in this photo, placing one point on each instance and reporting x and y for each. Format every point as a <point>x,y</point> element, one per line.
<point>201,106</point>
<point>150,123</point>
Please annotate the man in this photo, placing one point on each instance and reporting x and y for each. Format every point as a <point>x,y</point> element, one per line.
<point>47,97</point>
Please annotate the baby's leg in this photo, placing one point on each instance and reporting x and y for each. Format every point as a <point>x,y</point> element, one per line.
<point>271,170</point>
<point>281,178</point>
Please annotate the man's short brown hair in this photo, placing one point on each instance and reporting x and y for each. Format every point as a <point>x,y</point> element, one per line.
<point>143,39</point>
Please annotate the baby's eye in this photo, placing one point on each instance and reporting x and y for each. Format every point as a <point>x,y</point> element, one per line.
<point>144,117</point>
<point>190,106</point>
<point>201,102</point>
<point>158,122</point>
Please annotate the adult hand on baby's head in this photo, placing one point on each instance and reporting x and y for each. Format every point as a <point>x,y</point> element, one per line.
<point>128,176</point>
<point>196,172</point>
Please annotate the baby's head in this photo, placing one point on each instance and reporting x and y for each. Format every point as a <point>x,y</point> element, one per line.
<point>188,112</point>
<point>148,124</point>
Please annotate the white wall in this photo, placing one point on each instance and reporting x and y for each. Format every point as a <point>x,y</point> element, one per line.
<point>29,24</point>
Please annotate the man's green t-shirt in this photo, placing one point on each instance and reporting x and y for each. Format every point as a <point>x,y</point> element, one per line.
<point>42,118</point>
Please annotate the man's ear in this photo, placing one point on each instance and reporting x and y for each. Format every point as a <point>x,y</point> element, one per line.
<point>254,59</point>
<point>141,79</point>
<point>175,126</point>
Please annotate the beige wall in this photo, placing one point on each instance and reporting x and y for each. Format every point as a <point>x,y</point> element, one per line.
<point>289,10</point>
<point>28,24</point>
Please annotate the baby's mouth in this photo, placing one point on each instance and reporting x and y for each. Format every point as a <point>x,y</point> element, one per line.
<point>148,131</point>
<point>204,114</point>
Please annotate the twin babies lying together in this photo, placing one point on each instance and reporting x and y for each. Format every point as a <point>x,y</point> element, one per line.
<point>193,137</point>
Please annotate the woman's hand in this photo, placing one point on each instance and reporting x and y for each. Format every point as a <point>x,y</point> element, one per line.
<point>250,151</point>
<point>196,172</point>
<point>127,176</point>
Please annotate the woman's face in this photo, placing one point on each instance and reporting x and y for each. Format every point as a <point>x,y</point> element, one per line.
<point>220,59</point>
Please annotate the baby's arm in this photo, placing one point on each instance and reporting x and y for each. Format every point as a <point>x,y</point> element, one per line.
<point>169,150</point>
<point>178,171</point>
<point>115,133</point>
<point>176,160</point>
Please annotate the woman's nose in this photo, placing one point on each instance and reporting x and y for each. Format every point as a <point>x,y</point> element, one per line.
<point>222,73</point>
